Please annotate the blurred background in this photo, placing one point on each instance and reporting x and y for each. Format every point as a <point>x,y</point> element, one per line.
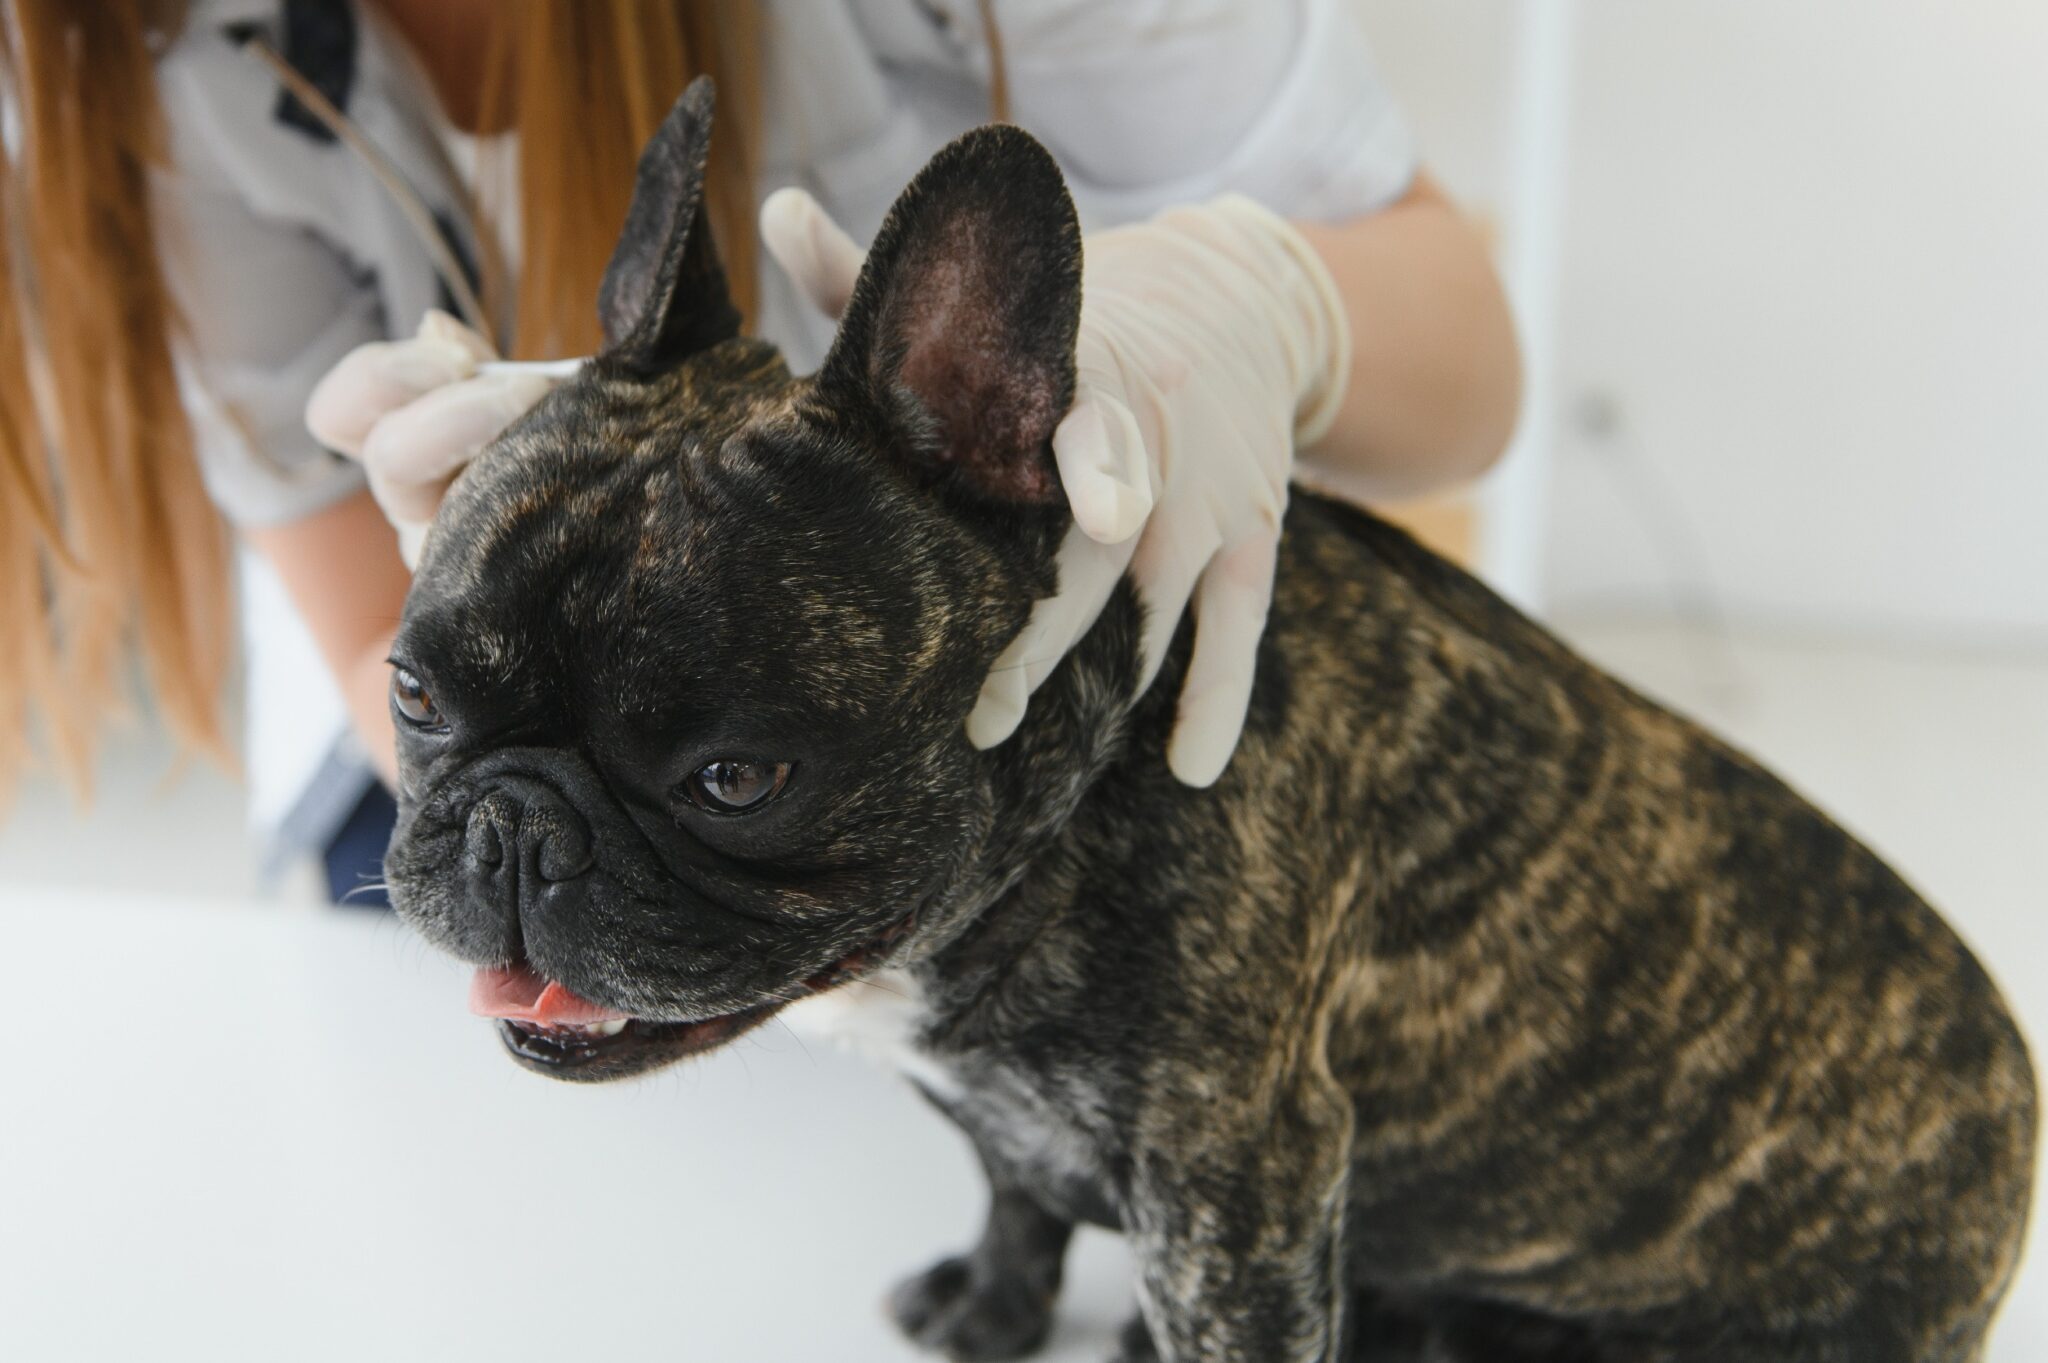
<point>1783,276</point>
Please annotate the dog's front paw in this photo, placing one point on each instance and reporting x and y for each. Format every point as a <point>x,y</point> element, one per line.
<point>957,1309</point>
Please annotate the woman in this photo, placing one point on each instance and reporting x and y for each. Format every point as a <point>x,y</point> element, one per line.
<point>191,267</point>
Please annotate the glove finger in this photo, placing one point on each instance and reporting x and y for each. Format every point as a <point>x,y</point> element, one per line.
<point>412,542</point>
<point>999,709</point>
<point>375,379</point>
<point>814,251</point>
<point>414,452</point>
<point>1103,467</point>
<point>450,330</point>
<point>1089,573</point>
<point>1166,568</point>
<point>1231,603</point>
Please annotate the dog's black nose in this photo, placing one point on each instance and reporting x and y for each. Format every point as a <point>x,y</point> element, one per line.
<point>521,831</point>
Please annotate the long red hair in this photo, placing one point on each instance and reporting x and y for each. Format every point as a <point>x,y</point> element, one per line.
<point>109,545</point>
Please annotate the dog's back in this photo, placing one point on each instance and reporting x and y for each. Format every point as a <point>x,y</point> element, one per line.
<point>1635,1037</point>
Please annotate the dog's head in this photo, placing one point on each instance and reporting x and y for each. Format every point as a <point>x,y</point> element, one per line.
<point>681,681</point>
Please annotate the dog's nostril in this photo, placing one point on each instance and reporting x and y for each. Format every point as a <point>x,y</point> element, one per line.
<point>560,861</point>
<point>482,844</point>
<point>561,844</point>
<point>489,837</point>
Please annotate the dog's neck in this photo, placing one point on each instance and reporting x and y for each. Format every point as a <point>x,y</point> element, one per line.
<point>1086,721</point>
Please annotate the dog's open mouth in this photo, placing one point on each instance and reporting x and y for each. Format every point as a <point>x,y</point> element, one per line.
<point>549,1029</point>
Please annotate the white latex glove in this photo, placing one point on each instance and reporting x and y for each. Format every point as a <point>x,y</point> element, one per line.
<point>1212,342</point>
<point>414,412</point>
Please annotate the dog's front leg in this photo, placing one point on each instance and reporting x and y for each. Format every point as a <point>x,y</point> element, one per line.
<point>1237,1227</point>
<point>995,1301</point>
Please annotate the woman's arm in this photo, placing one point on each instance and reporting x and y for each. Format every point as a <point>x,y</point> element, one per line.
<point>1279,100</point>
<point>1435,378</point>
<point>340,566</point>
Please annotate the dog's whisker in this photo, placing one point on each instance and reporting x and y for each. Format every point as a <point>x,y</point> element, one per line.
<point>796,994</point>
<point>1028,662</point>
<point>798,1038</point>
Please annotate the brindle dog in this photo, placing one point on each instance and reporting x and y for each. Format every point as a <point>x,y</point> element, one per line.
<point>1483,1011</point>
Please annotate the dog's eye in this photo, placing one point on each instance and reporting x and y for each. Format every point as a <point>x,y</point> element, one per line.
<point>732,787</point>
<point>413,701</point>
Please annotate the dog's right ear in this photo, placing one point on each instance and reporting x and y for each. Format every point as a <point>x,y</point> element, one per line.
<point>664,294</point>
<point>960,331</point>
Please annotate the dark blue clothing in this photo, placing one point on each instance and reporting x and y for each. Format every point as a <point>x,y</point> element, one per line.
<point>355,856</point>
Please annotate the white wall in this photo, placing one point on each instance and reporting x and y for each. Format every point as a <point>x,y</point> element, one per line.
<point>1807,268</point>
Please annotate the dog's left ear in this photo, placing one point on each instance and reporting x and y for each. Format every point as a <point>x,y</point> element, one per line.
<point>960,332</point>
<point>664,295</point>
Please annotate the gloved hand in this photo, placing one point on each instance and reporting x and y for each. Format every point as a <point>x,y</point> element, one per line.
<point>414,412</point>
<point>1212,342</point>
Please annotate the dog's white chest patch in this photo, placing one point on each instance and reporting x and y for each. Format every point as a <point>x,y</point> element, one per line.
<point>879,1017</point>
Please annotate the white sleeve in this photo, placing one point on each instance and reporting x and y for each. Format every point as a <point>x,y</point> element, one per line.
<point>255,226</point>
<point>267,305</point>
<point>267,309</point>
<point>1153,102</point>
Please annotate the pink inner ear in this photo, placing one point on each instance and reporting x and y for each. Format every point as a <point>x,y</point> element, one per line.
<point>994,406</point>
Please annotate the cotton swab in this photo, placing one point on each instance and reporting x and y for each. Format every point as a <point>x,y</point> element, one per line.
<point>546,369</point>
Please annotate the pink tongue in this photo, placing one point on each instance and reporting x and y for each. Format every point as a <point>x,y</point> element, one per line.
<point>516,992</point>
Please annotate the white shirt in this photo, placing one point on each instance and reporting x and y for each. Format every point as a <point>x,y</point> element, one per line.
<point>285,252</point>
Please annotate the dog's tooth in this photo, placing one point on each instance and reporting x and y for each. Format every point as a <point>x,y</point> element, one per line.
<point>609,1027</point>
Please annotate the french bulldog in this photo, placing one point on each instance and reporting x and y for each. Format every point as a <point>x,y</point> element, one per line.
<point>1484,1010</point>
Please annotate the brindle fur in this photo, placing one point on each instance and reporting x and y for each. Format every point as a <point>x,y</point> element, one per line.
<point>1484,1010</point>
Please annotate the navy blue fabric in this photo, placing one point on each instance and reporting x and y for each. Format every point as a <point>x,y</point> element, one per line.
<point>320,43</point>
<point>355,857</point>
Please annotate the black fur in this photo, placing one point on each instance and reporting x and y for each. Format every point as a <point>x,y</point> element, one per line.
<point>1482,1011</point>
<point>664,297</point>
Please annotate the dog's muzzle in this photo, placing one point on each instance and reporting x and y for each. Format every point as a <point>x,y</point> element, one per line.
<point>522,864</point>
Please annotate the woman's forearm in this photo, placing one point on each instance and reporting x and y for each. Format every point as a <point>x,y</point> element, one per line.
<point>1435,379</point>
<point>367,690</point>
<point>341,569</point>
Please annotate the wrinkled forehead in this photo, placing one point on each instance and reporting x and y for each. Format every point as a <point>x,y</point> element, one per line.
<point>561,482</point>
<point>665,542</point>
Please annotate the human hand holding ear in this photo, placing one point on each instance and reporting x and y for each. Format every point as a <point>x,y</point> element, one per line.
<point>414,412</point>
<point>1212,343</point>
